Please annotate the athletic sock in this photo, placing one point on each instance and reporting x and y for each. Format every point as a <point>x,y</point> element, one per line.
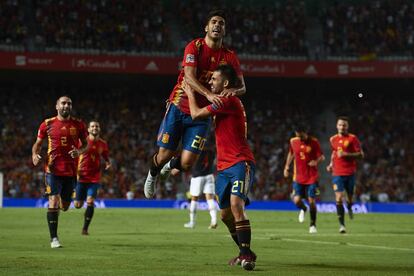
<point>244,234</point>
<point>229,222</point>
<point>52,221</point>
<point>340,211</point>
<point>312,212</point>
<point>175,163</point>
<point>301,205</point>
<point>193,210</point>
<point>88,216</point>
<point>154,168</point>
<point>213,211</point>
<point>349,206</point>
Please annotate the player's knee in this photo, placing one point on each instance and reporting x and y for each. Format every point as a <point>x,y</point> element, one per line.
<point>186,166</point>
<point>65,206</point>
<point>78,204</point>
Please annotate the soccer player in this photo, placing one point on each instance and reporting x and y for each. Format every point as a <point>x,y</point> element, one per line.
<point>89,172</point>
<point>202,181</point>
<point>306,153</point>
<point>66,137</point>
<point>346,148</point>
<point>235,160</point>
<point>201,57</point>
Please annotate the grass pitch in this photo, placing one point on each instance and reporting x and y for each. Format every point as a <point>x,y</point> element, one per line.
<point>154,242</point>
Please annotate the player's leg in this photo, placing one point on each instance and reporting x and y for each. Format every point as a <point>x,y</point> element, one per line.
<point>242,175</point>
<point>209,191</point>
<point>338,187</point>
<point>312,192</point>
<point>90,206</point>
<point>53,187</point>
<point>169,135</point>
<point>298,191</point>
<point>80,194</point>
<point>350,189</point>
<point>194,138</point>
<point>196,184</point>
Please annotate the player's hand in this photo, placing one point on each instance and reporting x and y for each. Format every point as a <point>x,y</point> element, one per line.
<point>36,158</point>
<point>74,153</point>
<point>175,172</point>
<point>312,163</point>
<point>329,168</point>
<point>286,172</point>
<point>340,153</point>
<point>187,88</point>
<point>108,165</point>
<point>228,92</point>
<point>215,99</point>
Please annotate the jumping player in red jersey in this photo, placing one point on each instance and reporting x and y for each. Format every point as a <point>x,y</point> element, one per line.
<point>89,172</point>
<point>306,153</point>
<point>66,137</point>
<point>346,148</point>
<point>201,58</point>
<point>235,160</point>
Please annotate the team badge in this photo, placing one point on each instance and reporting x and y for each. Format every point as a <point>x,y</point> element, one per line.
<point>346,143</point>
<point>72,131</point>
<point>189,58</point>
<point>308,149</point>
<point>165,138</point>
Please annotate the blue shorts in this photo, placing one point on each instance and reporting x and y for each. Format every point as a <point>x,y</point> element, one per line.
<point>341,183</point>
<point>302,190</point>
<point>60,185</point>
<point>236,180</point>
<point>177,125</point>
<point>86,189</point>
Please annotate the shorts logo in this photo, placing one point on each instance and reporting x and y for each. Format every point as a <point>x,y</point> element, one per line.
<point>335,187</point>
<point>165,138</point>
<point>189,58</point>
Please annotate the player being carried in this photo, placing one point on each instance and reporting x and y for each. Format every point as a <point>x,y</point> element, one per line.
<point>346,148</point>
<point>89,172</point>
<point>306,153</point>
<point>64,134</point>
<point>235,160</point>
<point>201,57</point>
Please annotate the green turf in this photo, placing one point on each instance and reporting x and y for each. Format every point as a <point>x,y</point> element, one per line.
<point>154,242</point>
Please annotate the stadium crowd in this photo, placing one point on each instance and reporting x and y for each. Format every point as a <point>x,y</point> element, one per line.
<point>130,120</point>
<point>370,29</point>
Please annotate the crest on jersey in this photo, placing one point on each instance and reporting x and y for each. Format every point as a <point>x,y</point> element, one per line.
<point>165,138</point>
<point>222,62</point>
<point>189,58</point>
<point>72,131</point>
<point>346,143</point>
<point>308,149</point>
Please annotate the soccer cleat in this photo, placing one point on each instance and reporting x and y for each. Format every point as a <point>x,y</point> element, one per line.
<point>212,226</point>
<point>85,232</point>
<point>166,170</point>
<point>351,213</point>
<point>149,187</point>
<point>247,262</point>
<point>237,261</point>
<point>301,217</point>
<point>342,229</point>
<point>55,243</point>
<point>312,230</point>
<point>189,225</point>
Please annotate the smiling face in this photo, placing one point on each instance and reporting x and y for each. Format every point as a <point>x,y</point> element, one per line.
<point>94,128</point>
<point>217,82</point>
<point>64,107</point>
<point>216,28</point>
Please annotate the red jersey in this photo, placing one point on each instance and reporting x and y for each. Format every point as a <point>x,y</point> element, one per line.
<point>304,152</point>
<point>61,136</point>
<point>348,143</point>
<point>231,133</point>
<point>206,60</point>
<point>89,166</point>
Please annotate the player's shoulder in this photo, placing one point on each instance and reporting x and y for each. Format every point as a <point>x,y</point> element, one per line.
<point>77,120</point>
<point>102,141</point>
<point>196,42</point>
<point>353,136</point>
<point>49,120</point>
<point>294,139</point>
<point>333,137</point>
<point>314,139</point>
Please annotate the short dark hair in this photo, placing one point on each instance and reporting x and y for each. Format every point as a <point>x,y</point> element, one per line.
<point>63,96</point>
<point>301,127</point>
<point>229,74</point>
<point>343,118</point>
<point>217,12</point>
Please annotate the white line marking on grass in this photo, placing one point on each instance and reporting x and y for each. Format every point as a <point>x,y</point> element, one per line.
<point>349,244</point>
